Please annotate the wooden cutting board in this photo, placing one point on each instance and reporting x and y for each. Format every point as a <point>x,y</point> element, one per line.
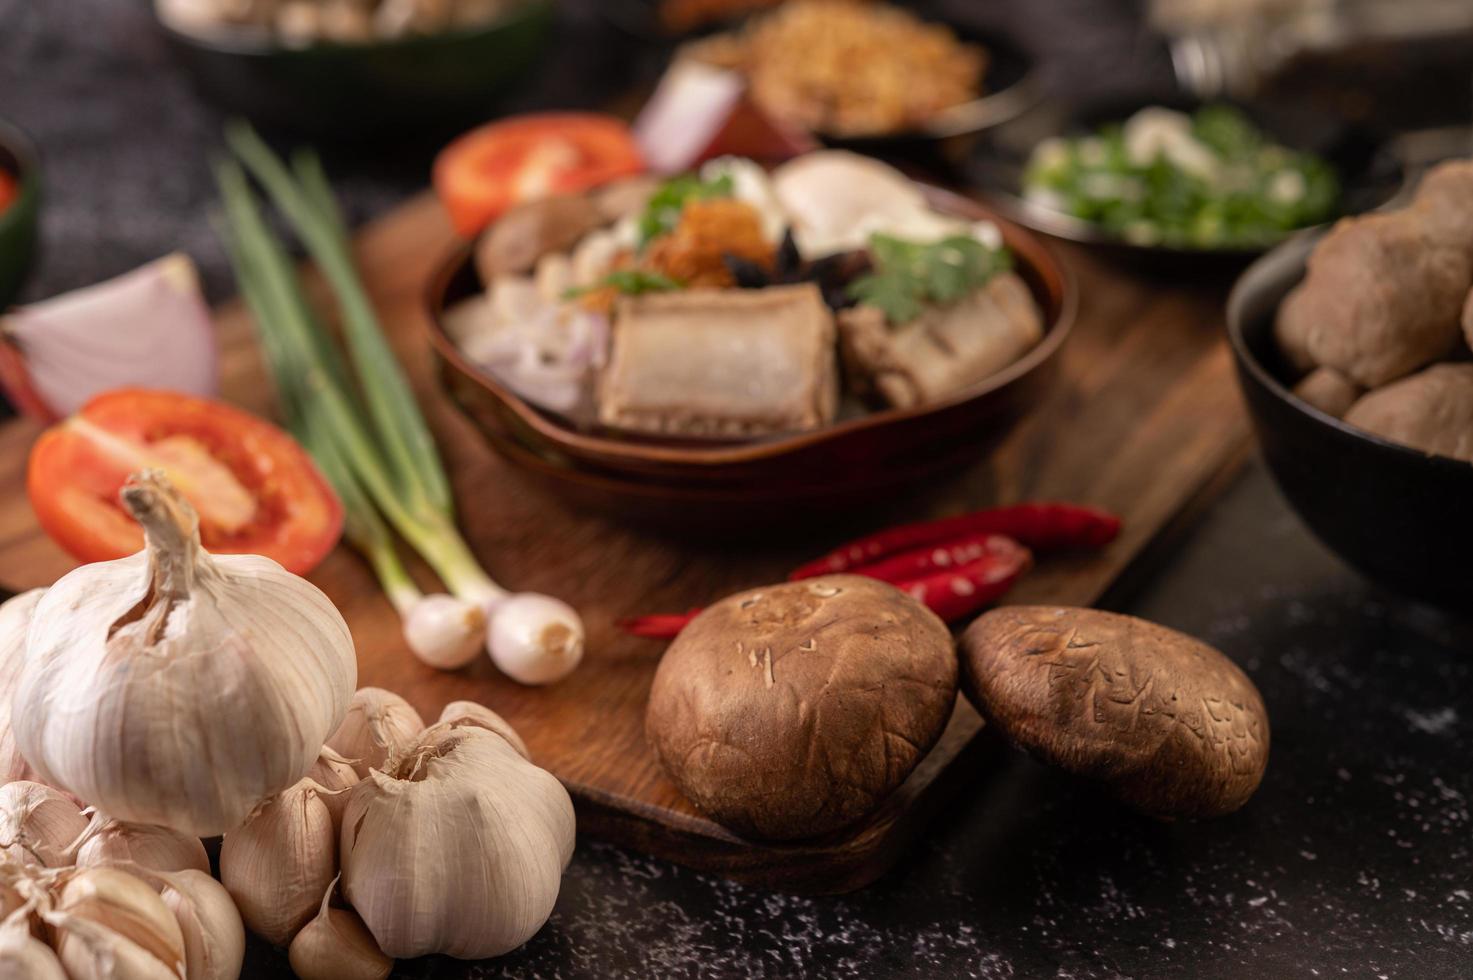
<point>1144,419</point>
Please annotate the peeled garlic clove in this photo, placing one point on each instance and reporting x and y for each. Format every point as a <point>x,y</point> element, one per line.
<point>23,956</point>
<point>534,638</point>
<point>378,726</point>
<point>109,923</point>
<point>156,848</point>
<point>337,946</point>
<point>15,622</point>
<point>279,862</point>
<point>458,848</point>
<point>180,688</point>
<point>335,774</point>
<point>214,937</point>
<point>470,714</point>
<point>38,825</point>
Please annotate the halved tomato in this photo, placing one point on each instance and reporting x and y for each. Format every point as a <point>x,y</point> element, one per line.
<point>486,171</point>
<point>257,491</point>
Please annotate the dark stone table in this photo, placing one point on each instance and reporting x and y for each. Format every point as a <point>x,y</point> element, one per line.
<point>1353,860</point>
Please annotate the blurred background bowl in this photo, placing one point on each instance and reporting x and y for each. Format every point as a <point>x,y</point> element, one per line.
<point>348,90</point>
<point>18,221</point>
<point>1401,517</point>
<point>846,466</point>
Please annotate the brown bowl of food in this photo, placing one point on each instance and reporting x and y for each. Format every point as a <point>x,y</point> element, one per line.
<point>731,344</point>
<point>1358,378</point>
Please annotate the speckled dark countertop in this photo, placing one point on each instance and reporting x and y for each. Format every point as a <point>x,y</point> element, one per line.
<point>1353,860</point>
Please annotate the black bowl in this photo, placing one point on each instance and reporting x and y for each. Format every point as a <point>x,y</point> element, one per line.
<point>350,90</point>
<point>1398,515</point>
<point>1369,174</point>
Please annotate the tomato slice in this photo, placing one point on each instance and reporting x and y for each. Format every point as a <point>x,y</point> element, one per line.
<point>257,492</point>
<point>486,171</point>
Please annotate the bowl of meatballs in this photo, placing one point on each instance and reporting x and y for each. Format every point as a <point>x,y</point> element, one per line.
<point>1354,349</point>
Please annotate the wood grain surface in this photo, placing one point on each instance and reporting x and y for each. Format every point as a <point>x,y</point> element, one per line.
<point>1143,419</point>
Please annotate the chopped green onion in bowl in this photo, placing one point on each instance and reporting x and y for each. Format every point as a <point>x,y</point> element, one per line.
<point>1208,180</point>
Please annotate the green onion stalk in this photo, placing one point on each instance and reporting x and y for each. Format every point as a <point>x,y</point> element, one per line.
<point>370,440</point>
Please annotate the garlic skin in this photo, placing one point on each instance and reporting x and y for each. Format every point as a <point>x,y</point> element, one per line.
<point>535,639</point>
<point>15,622</point>
<point>335,775</point>
<point>155,848</point>
<point>472,714</point>
<point>22,955</point>
<point>337,946</point>
<point>459,848</point>
<point>445,632</point>
<point>277,865</point>
<point>38,825</point>
<point>179,688</point>
<point>378,726</point>
<point>109,924</point>
<point>214,936</point>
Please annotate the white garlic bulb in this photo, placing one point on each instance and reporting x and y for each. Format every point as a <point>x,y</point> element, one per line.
<point>109,924</point>
<point>38,825</point>
<point>458,848</point>
<point>214,937</point>
<point>155,848</point>
<point>337,946</point>
<point>22,955</point>
<point>472,714</point>
<point>15,622</point>
<point>279,862</point>
<point>335,775</point>
<point>378,725</point>
<point>179,688</point>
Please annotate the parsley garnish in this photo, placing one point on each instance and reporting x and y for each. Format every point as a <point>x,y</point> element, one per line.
<point>908,275</point>
<point>662,213</point>
<point>631,282</point>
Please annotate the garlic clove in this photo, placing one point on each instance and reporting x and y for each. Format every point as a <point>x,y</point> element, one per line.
<point>378,726</point>
<point>279,862</point>
<point>38,825</point>
<point>155,848</point>
<point>214,936</point>
<point>179,688</point>
<point>336,945</point>
<point>335,774</point>
<point>15,622</point>
<point>463,714</point>
<point>535,639</point>
<point>457,848</point>
<point>445,632</point>
<point>23,956</point>
<point>109,923</point>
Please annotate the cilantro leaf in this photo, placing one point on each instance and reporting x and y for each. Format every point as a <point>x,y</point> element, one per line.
<point>908,275</point>
<point>630,282</point>
<point>662,213</point>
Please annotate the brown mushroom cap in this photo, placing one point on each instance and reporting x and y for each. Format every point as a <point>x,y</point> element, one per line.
<point>514,243</point>
<point>1432,411</point>
<point>1171,725</point>
<point>793,710</point>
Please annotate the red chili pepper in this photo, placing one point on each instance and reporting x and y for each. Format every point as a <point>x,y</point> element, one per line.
<point>660,626</point>
<point>958,592</point>
<point>1041,526</point>
<point>909,566</point>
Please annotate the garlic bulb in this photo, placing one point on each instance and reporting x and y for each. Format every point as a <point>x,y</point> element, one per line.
<point>458,848</point>
<point>214,937</point>
<point>445,632</point>
<point>462,714</point>
<point>337,946</point>
<point>157,848</point>
<point>335,775</point>
<point>109,924</point>
<point>22,955</point>
<point>378,726</point>
<point>15,622</point>
<point>534,638</point>
<point>279,862</point>
<point>38,825</point>
<point>179,688</point>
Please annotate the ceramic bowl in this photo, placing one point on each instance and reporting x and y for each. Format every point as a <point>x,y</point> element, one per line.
<point>1399,516</point>
<point>844,466</point>
<point>18,221</point>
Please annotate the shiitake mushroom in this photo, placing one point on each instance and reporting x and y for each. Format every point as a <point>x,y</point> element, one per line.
<point>1170,725</point>
<point>792,711</point>
<point>832,274</point>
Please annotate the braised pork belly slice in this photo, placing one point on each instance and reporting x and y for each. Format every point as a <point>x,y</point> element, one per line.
<point>943,350</point>
<point>721,362</point>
